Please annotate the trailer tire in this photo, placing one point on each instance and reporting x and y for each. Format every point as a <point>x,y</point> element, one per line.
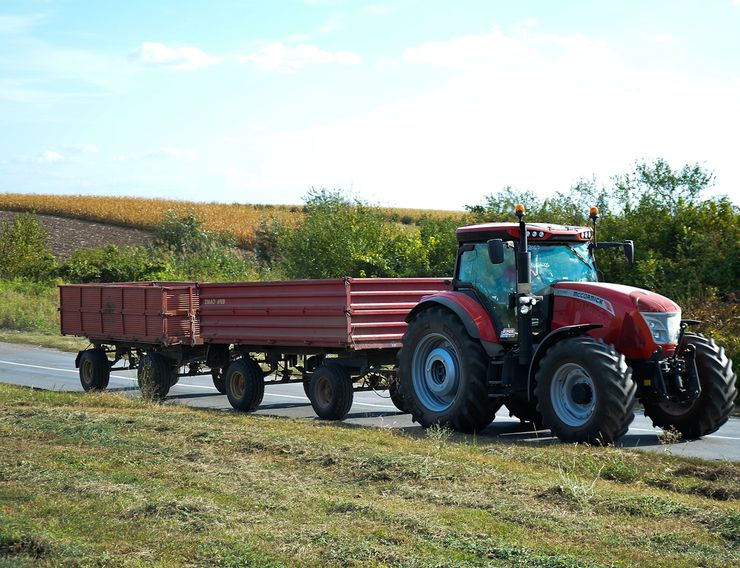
<point>330,391</point>
<point>219,380</point>
<point>245,385</point>
<point>715,403</point>
<point>584,391</point>
<point>524,410</point>
<point>443,374</point>
<point>94,369</point>
<point>154,376</point>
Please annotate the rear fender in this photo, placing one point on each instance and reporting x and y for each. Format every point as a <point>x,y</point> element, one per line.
<point>550,339</point>
<point>474,317</point>
<point>77,359</point>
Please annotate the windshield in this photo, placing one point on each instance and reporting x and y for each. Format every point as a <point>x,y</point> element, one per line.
<point>555,263</point>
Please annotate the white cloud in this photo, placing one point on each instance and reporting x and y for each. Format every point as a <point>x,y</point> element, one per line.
<point>49,156</point>
<point>177,58</point>
<point>280,57</point>
<point>177,152</point>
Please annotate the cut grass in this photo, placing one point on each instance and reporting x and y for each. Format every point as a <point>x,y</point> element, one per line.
<point>105,479</point>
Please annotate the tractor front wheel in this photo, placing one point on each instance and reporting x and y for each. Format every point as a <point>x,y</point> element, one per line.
<point>443,374</point>
<point>584,391</point>
<point>715,403</point>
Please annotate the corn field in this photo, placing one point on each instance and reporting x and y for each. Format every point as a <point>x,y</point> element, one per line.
<point>241,220</point>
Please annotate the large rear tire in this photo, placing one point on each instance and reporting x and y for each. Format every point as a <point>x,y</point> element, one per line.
<point>94,369</point>
<point>330,391</point>
<point>718,393</point>
<point>154,376</point>
<point>584,391</point>
<point>443,374</point>
<point>245,385</point>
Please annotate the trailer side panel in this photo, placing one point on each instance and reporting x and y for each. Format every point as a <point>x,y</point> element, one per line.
<point>131,312</point>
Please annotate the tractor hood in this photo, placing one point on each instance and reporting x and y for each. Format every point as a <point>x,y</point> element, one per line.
<point>619,310</point>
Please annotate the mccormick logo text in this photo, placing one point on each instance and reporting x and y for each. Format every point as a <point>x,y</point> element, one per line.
<point>586,297</point>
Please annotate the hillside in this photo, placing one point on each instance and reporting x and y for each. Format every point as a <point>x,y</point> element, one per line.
<point>239,219</point>
<point>103,479</point>
<point>66,235</point>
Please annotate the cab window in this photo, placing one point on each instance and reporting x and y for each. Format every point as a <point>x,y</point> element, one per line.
<point>494,283</point>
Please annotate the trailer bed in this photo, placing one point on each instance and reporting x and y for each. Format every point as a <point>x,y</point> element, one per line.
<point>338,314</point>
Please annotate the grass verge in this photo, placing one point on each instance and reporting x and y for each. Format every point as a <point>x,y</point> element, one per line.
<point>61,342</point>
<point>102,479</point>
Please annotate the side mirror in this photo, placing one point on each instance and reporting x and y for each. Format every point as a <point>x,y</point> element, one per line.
<point>496,251</point>
<point>629,251</point>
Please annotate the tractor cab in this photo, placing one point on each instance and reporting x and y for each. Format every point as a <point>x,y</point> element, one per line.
<point>487,268</point>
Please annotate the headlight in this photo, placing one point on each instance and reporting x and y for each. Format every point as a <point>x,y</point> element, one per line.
<point>663,325</point>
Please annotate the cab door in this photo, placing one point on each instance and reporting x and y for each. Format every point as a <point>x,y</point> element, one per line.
<point>494,285</point>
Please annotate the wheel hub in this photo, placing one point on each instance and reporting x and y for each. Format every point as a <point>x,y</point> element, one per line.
<point>582,393</point>
<point>572,395</point>
<point>436,372</point>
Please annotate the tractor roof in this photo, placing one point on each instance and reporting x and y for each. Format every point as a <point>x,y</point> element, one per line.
<point>538,232</point>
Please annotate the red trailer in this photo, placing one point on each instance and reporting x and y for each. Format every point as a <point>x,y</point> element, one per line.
<point>336,335</point>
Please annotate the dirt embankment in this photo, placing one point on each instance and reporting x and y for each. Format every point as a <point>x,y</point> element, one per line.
<point>68,235</point>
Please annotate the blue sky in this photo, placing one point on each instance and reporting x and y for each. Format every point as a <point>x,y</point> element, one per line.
<point>414,103</point>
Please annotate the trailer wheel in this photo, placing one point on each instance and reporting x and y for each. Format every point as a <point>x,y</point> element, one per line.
<point>154,376</point>
<point>394,389</point>
<point>443,374</point>
<point>524,410</point>
<point>219,380</point>
<point>330,391</point>
<point>715,403</point>
<point>94,369</point>
<point>245,385</point>
<point>585,391</point>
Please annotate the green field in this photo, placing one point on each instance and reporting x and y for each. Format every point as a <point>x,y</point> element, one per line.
<point>108,480</point>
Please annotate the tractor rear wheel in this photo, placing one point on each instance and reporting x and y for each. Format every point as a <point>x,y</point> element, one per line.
<point>330,391</point>
<point>245,385</point>
<point>154,376</point>
<point>524,410</point>
<point>443,374</point>
<point>715,403</point>
<point>584,391</point>
<point>94,369</point>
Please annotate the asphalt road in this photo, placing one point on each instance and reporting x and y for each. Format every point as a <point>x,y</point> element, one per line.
<point>55,370</point>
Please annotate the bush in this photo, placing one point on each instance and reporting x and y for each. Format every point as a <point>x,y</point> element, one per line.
<point>29,306</point>
<point>111,263</point>
<point>23,249</point>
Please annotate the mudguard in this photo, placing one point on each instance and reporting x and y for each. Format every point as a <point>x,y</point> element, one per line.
<point>474,317</point>
<point>550,338</point>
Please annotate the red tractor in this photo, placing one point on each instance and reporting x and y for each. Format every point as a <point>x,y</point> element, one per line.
<point>529,324</point>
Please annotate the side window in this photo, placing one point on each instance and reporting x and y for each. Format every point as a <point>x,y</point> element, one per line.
<point>494,283</point>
